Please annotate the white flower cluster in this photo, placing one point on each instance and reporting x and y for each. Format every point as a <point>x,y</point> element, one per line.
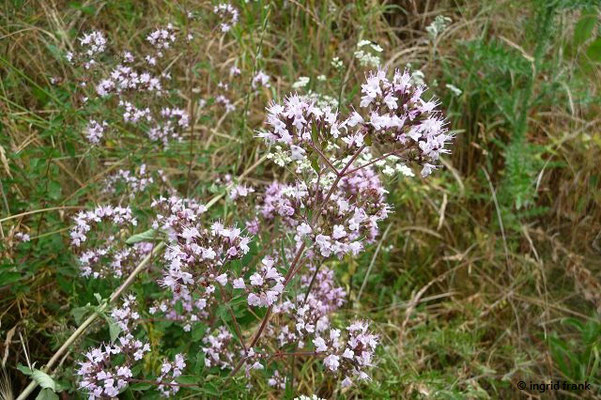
<point>437,26</point>
<point>368,54</point>
<point>170,371</point>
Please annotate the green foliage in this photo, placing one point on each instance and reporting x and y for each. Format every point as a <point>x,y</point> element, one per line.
<point>578,358</point>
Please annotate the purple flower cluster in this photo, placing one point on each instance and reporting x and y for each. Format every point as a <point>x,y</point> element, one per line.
<point>327,209</point>
<point>195,258</point>
<point>139,85</point>
<point>393,114</point>
<point>305,315</point>
<point>216,349</point>
<point>134,182</point>
<point>101,375</point>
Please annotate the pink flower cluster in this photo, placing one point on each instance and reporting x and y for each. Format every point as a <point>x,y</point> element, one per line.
<point>216,349</point>
<point>330,208</point>
<point>101,376</point>
<point>108,369</point>
<point>195,258</point>
<point>95,131</point>
<point>394,115</point>
<point>132,83</point>
<point>349,214</point>
<point>305,315</point>
<point>352,356</point>
<point>266,285</point>
<point>397,114</point>
<point>92,44</point>
<point>84,221</point>
<point>111,258</point>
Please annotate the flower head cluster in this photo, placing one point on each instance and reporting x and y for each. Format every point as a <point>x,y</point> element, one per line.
<point>261,79</point>
<point>437,26</point>
<point>102,262</point>
<point>137,86</point>
<point>109,368</point>
<point>162,38</point>
<point>351,357</point>
<point>95,131</point>
<point>195,258</point>
<point>132,182</point>
<point>123,79</point>
<point>241,191</point>
<point>110,258</point>
<point>367,53</point>
<point>350,212</point>
<point>283,201</point>
<point>217,353</point>
<point>277,380</point>
<point>92,45</point>
<point>266,285</point>
<point>398,116</point>
<point>169,371</point>
<point>101,376</point>
<point>294,123</point>
<point>307,314</point>
<point>174,121</point>
<point>23,237</point>
<point>85,220</point>
<point>126,316</point>
<point>228,14</point>
<point>394,115</point>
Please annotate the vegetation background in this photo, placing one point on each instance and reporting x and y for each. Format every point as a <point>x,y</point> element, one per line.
<point>488,272</point>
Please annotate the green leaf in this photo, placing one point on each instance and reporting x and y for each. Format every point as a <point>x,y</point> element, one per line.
<point>140,386</point>
<point>146,236</point>
<point>114,329</point>
<point>43,379</point>
<point>54,190</point>
<point>584,29</point>
<point>187,379</point>
<point>314,158</point>
<point>25,370</point>
<point>198,332</point>
<point>9,277</point>
<point>80,312</point>
<point>47,394</point>
<point>594,50</point>
<point>314,134</point>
